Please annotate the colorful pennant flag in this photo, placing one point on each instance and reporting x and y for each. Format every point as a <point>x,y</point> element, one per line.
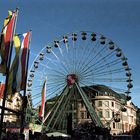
<point>18,70</point>
<point>42,108</point>
<point>6,40</point>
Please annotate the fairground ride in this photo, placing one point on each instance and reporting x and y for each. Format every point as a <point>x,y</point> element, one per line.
<point>71,63</point>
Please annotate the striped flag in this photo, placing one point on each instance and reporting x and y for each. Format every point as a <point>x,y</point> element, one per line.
<point>6,40</point>
<point>18,70</point>
<point>42,108</point>
<point>2,87</point>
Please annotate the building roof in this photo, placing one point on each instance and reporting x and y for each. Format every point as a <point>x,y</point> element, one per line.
<point>101,90</point>
<point>104,91</point>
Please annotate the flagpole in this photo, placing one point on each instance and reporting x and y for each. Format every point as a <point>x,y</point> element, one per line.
<point>7,75</point>
<point>43,104</point>
<point>24,92</point>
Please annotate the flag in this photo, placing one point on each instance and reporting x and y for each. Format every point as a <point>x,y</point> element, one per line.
<point>42,108</point>
<point>6,40</point>
<point>2,87</point>
<point>18,70</point>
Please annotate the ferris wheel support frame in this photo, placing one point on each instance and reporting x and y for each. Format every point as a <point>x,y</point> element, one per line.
<point>63,107</point>
<point>49,121</point>
<point>57,114</point>
<point>89,107</point>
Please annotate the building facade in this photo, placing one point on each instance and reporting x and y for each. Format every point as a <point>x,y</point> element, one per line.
<point>109,110</point>
<point>15,103</point>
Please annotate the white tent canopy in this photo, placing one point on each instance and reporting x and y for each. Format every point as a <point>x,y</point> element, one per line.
<point>57,134</point>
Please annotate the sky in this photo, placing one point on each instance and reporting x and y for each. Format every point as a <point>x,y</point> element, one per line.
<point>50,19</point>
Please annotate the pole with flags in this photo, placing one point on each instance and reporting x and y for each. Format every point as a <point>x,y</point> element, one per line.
<point>25,63</point>
<point>19,67</point>
<point>6,46</point>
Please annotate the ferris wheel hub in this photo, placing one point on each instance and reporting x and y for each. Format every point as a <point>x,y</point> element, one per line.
<point>71,79</point>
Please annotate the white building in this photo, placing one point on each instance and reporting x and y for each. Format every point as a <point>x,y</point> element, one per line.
<point>14,103</point>
<point>108,105</point>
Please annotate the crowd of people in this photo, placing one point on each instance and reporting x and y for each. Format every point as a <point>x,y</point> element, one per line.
<point>85,131</point>
<point>36,136</point>
<point>12,136</point>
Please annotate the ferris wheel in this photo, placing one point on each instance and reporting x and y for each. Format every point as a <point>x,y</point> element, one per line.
<point>74,65</point>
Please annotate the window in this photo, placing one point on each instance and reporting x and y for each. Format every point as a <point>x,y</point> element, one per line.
<point>118,126</point>
<point>99,103</point>
<point>112,104</point>
<point>113,114</point>
<point>100,113</point>
<point>82,115</point>
<point>113,125</point>
<point>88,116</point>
<point>107,114</point>
<point>107,103</point>
<point>131,110</point>
<point>131,118</point>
